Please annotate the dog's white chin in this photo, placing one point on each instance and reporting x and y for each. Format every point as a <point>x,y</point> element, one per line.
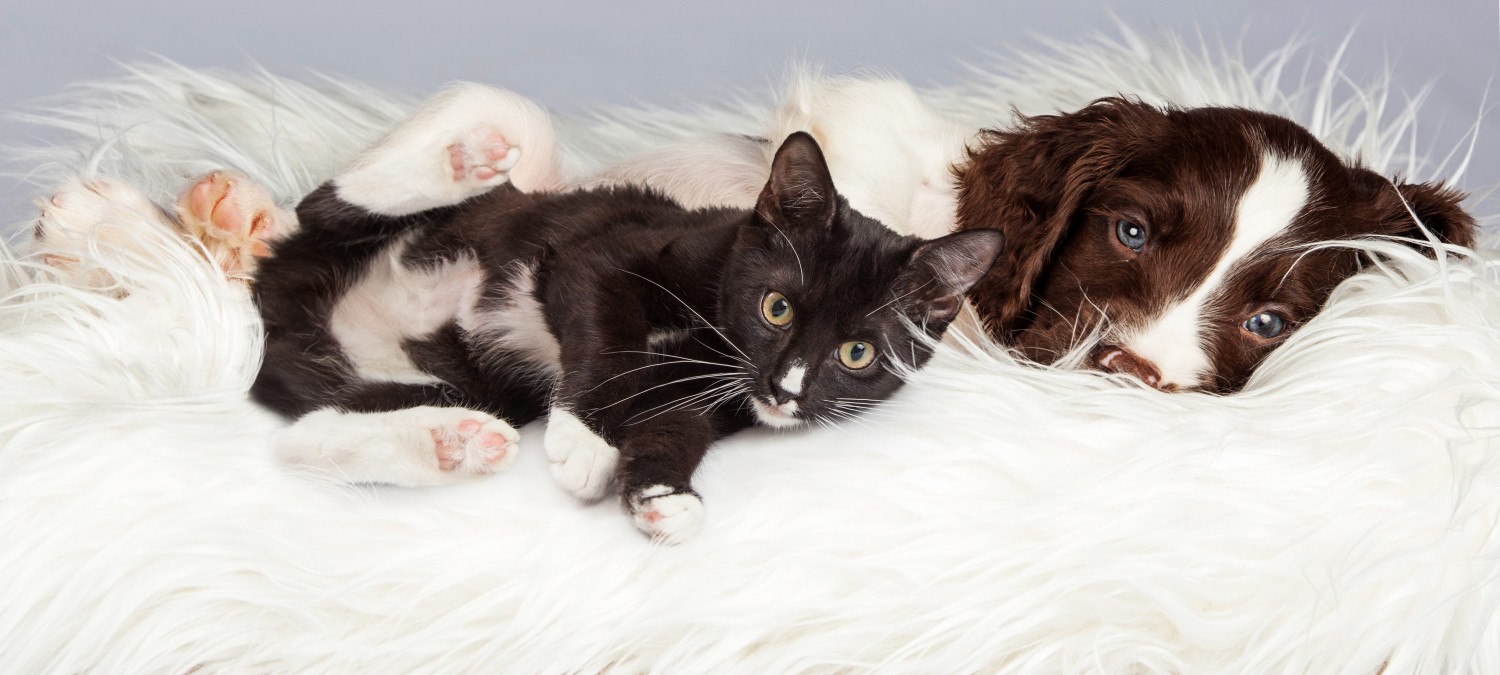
<point>776,416</point>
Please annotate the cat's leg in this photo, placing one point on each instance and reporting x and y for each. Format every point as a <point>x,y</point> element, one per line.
<point>603,339</point>
<point>658,459</point>
<point>419,446</point>
<point>235,219</point>
<point>654,466</point>
<point>462,143</point>
<point>614,395</point>
<point>459,144</point>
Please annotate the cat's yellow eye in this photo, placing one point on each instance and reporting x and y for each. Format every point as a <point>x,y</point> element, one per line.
<point>856,354</point>
<point>776,308</point>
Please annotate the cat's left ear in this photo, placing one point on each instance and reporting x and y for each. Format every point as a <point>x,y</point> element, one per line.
<point>941,272</point>
<point>800,191</point>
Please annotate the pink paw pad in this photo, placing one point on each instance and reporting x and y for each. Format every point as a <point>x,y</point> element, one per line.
<point>468,447</point>
<point>481,160</point>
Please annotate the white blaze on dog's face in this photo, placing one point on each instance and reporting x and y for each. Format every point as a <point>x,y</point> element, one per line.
<point>1178,238</point>
<point>1173,340</point>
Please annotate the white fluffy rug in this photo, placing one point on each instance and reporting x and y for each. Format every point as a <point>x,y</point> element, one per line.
<point>1338,516</point>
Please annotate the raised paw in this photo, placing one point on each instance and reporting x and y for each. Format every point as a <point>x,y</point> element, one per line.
<point>582,462</point>
<point>667,514</point>
<point>482,157</point>
<point>94,212</point>
<point>469,442</point>
<point>461,144</point>
<point>234,218</point>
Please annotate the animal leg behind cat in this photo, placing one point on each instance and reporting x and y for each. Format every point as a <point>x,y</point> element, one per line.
<point>459,144</point>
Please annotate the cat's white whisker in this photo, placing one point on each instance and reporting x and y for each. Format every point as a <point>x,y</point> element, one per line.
<point>689,378</point>
<point>690,308</point>
<point>801,277</point>
<point>653,365</point>
<point>684,402</point>
<point>898,298</point>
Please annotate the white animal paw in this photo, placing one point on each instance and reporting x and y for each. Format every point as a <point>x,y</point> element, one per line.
<point>235,219</point>
<point>470,442</point>
<point>669,515</point>
<point>461,144</point>
<point>95,212</point>
<point>482,158</point>
<point>582,462</point>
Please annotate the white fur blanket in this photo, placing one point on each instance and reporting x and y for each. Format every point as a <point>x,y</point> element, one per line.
<point>1338,516</point>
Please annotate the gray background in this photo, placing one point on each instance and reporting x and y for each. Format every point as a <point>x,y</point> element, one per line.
<point>573,55</point>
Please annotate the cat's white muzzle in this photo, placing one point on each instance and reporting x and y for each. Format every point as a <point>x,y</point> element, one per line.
<point>776,415</point>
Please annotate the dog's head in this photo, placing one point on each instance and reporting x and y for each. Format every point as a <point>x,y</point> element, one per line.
<point>1179,238</point>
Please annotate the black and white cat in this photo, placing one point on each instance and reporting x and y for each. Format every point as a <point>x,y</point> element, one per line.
<point>436,294</point>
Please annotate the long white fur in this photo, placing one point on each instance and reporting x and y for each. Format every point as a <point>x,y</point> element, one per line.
<point>1336,517</point>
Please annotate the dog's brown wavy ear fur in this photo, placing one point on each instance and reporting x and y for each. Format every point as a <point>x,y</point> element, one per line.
<point>1438,208</point>
<point>1029,181</point>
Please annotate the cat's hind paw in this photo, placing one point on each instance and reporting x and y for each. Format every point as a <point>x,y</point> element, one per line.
<point>582,462</point>
<point>461,144</point>
<point>235,219</point>
<point>667,514</point>
<point>482,157</point>
<point>470,442</point>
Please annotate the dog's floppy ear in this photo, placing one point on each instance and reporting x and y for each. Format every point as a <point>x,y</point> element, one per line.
<point>1435,205</point>
<point>1029,182</point>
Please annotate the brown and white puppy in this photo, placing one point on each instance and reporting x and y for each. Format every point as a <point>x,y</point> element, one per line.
<point>1183,239</point>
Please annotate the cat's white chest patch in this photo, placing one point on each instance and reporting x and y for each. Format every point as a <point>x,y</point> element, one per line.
<point>513,325</point>
<point>392,303</point>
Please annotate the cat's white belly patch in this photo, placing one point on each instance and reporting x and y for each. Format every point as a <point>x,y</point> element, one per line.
<point>392,303</point>
<point>514,325</point>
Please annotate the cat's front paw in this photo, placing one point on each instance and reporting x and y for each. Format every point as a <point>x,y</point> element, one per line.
<point>470,442</point>
<point>669,515</point>
<point>235,219</point>
<point>582,462</point>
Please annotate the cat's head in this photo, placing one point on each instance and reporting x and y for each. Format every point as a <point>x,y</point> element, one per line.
<point>820,300</point>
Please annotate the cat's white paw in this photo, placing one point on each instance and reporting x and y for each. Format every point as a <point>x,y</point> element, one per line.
<point>414,446</point>
<point>99,212</point>
<point>235,219</point>
<point>582,462</point>
<point>461,144</point>
<point>469,442</point>
<point>665,514</point>
<point>482,158</point>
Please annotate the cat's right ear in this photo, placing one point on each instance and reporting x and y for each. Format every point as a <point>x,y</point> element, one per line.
<point>941,272</point>
<point>800,190</point>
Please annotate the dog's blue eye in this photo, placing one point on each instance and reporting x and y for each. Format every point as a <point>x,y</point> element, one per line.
<point>1265,325</point>
<point>1132,235</point>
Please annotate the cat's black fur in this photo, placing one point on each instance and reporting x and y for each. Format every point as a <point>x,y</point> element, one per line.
<point>613,270</point>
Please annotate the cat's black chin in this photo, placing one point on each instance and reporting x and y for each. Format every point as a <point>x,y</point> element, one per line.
<point>776,416</point>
